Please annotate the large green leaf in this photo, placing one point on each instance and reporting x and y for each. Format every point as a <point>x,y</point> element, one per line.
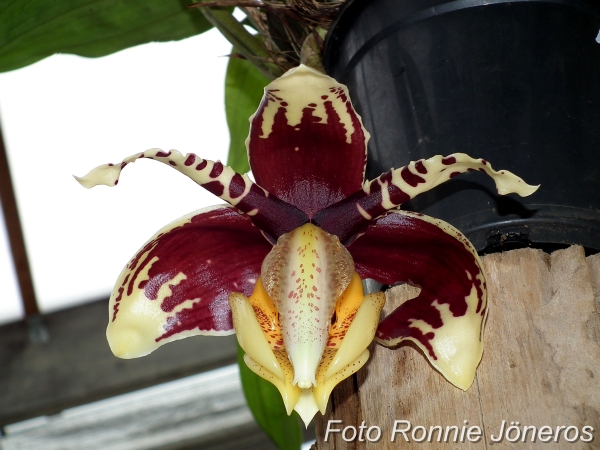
<point>267,407</point>
<point>244,85</point>
<point>31,30</point>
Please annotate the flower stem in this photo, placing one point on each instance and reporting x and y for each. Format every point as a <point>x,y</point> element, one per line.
<point>247,44</point>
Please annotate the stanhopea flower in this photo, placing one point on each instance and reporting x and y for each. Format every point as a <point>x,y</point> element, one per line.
<point>282,266</point>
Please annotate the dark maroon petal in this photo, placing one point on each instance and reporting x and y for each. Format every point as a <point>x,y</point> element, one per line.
<point>307,145</point>
<point>273,216</point>
<point>450,309</point>
<point>179,283</point>
<point>351,216</point>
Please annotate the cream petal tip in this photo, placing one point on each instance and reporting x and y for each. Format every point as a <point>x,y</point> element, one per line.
<point>460,380</point>
<point>323,391</point>
<point>530,189</point>
<point>460,367</point>
<point>106,175</point>
<point>127,343</point>
<point>306,406</point>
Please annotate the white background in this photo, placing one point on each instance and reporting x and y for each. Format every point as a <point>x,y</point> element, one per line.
<point>65,115</point>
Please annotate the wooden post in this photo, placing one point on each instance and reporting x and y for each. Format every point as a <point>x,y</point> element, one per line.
<point>541,367</point>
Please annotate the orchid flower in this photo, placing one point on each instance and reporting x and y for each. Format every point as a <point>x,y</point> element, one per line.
<point>282,265</point>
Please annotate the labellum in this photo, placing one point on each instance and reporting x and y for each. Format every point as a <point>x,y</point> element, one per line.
<point>282,266</point>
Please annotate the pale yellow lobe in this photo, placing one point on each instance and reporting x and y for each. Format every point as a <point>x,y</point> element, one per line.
<point>323,390</point>
<point>250,334</point>
<point>458,344</point>
<point>352,353</point>
<point>273,366</point>
<point>139,320</point>
<point>290,394</point>
<point>300,87</point>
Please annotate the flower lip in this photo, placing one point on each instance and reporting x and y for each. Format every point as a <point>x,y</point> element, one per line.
<point>305,274</point>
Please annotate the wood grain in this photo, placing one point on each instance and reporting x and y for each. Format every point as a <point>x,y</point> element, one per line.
<point>76,365</point>
<point>541,365</point>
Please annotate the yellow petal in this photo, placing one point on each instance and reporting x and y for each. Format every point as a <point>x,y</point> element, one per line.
<point>458,344</point>
<point>267,315</point>
<point>345,311</point>
<point>290,394</point>
<point>250,334</point>
<point>323,390</point>
<point>359,335</point>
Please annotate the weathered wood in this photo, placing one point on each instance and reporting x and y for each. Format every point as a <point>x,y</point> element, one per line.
<point>206,410</point>
<point>541,365</point>
<point>76,365</point>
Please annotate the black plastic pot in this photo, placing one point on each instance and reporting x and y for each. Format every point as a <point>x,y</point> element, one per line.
<point>515,82</point>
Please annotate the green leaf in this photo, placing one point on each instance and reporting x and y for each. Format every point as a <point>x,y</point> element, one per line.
<point>244,85</point>
<point>267,407</point>
<point>34,29</point>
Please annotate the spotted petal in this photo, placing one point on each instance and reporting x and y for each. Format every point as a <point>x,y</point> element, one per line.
<point>397,186</point>
<point>446,319</point>
<point>178,283</point>
<point>273,216</point>
<point>307,145</point>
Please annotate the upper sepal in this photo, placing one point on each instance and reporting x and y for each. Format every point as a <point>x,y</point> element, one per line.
<point>307,144</point>
<point>178,283</point>
<point>446,319</point>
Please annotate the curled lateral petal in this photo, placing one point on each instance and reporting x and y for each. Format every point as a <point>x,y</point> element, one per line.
<point>307,144</point>
<point>397,186</point>
<point>178,283</point>
<point>446,319</point>
<point>273,216</point>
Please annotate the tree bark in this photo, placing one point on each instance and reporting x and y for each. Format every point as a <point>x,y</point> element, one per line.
<point>541,367</point>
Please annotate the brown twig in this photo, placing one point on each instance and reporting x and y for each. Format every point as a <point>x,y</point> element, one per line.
<point>283,25</point>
